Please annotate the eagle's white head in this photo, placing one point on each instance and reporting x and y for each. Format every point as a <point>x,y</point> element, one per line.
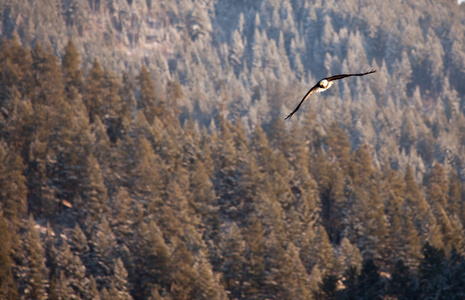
<point>324,84</point>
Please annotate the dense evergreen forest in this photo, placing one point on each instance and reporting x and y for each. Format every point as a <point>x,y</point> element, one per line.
<point>144,152</point>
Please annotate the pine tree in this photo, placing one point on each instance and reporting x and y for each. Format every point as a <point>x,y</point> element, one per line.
<point>350,281</point>
<point>362,168</point>
<point>33,277</point>
<point>174,94</point>
<point>60,289</point>
<point>176,215</point>
<point>72,271</point>
<point>249,192</point>
<point>338,145</point>
<point>304,197</point>
<point>262,150</point>
<point>315,278</point>
<point>455,194</point>
<point>205,150</point>
<point>370,284</point>
<point>51,254</point>
<point>16,68</point>
<point>225,164</point>
<point>410,242</point>
<point>80,248</point>
<point>12,186</point>
<point>356,55</point>
<point>151,260</point>
<point>170,150</point>
<point>71,64</point>
<point>183,273</point>
<point>279,137</point>
<point>79,244</point>
<point>403,238</point>
<point>105,294</point>
<point>107,158</point>
<point>409,134</point>
<point>233,256</point>
<point>124,215</point>
<point>317,251</point>
<point>203,198</point>
<point>367,223</point>
<point>93,291</point>
<point>431,270</point>
<point>119,283</point>
<point>278,268</point>
<point>47,76</point>
<point>333,200</point>
<point>114,112</point>
<point>8,289</point>
<point>94,194</point>
<point>394,214</point>
<point>327,288</point>
<point>254,271</point>
<point>419,210</point>
<point>103,253</point>
<point>145,178</point>
<point>349,256</point>
<point>69,146</point>
<point>402,283</point>
<point>149,102</point>
<point>438,197</point>
<point>438,186</point>
<point>93,91</point>
<point>128,99</point>
<point>206,287</point>
<point>298,281</point>
<point>47,99</point>
<point>17,122</point>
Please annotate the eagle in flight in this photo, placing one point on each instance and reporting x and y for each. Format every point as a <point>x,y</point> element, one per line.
<point>324,84</point>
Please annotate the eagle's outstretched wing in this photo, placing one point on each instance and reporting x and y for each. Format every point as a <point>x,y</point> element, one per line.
<point>337,77</point>
<point>311,91</point>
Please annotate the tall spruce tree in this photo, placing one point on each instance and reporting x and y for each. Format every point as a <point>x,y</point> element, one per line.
<point>149,102</point>
<point>8,289</point>
<point>94,194</point>
<point>93,91</point>
<point>15,70</point>
<point>233,261</point>
<point>151,260</point>
<point>72,272</point>
<point>370,284</point>
<point>71,63</point>
<point>12,185</point>
<point>46,101</point>
<point>254,271</point>
<point>33,274</point>
<point>119,288</point>
<point>102,253</point>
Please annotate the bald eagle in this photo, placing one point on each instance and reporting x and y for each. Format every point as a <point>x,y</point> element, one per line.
<point>324,84</point>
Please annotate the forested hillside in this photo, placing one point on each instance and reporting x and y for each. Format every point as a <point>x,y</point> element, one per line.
<point>144,155</point>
